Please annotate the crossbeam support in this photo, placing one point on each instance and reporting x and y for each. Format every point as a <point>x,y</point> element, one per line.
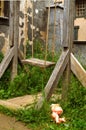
<point>54,78</point>
<point>5,62</point>
<point>78,70</point>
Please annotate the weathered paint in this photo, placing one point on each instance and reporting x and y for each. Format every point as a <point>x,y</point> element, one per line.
<point>56,22</point>
<point>81,22</point>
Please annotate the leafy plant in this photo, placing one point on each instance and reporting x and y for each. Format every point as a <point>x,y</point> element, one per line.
<point>1,56</point>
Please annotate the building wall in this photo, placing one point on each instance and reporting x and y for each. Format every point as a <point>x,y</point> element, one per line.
<point>4,38</point>
<point>81,22</point>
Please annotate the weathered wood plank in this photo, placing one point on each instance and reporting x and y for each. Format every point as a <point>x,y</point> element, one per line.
<point>10,105</point>
<point>16,39</point>
<point>54,78</point>
<point>78,70</point>
<point>68,23</point>
<point>38,62</point>
<point>5,62</point>
<point>68,28</point>
<point>11,24</point>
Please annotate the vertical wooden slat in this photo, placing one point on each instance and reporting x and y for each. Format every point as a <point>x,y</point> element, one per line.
<point>2,8</point>
<point>25,28</point>
<point>16,38</point>
<point>11,24</point>
<point>68,28</point>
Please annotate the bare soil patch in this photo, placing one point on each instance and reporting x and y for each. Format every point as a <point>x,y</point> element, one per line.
<point>10,123</point>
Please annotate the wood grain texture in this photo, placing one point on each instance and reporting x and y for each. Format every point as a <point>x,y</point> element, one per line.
<point>78,70</point>
<point>5,62</point>
<point>38,62</point>
<point>16,39</point>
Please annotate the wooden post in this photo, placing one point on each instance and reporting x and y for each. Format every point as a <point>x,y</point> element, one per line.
<point>68,27</point>
<point>11,24</point>
<point>25,29</point>
<point>16,38</point>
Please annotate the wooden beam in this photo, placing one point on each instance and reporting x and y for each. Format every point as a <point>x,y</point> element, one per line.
<point>11,24</point>
<point>16,38</point>
<point>38,62</point>
<point>10,105</point>
<point>54,78</point>
<point>68,27</point>
<point>78,70</point>
<point>68,23</point>
<point>5,62</point>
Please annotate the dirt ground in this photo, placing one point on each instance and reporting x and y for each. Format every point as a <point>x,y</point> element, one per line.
<point>10,123</point>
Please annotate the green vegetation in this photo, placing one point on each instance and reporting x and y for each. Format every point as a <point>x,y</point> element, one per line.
<point>74,111</point>
<point>1,56</point>
<point>29,82</point>
<point>33,82</point>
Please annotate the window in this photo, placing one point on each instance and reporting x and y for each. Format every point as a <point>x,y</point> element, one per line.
<point>1,8</point>
<point>80,8</point>
<point>4,12</point>
<point>4,8</point>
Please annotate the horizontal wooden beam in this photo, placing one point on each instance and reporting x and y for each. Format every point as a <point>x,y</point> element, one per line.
<point>78,70</point>
<point>38,62</point>
<point>5,62</point>
<point>54,78</point>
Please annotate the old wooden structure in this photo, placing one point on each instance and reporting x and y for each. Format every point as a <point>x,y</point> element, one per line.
<point>65,63</point>
<point>12,54</point>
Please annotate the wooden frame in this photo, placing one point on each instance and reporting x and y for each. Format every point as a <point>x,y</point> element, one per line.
<point>64,61</point>
<point>12,54</point>
<point>80,9</point>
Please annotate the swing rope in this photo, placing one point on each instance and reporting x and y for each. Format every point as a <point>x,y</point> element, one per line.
<point>35,61</point>
<point>47,36</point>
<point>32,30</point>
<point>53,40</point>
<point>25,29</point>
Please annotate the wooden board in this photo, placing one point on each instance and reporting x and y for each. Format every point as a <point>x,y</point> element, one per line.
<point>15,38</point>
<point>78,70</point>
<point>5,62</point>
<point>38,62</point>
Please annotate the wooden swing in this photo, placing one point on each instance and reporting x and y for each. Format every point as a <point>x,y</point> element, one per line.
<point>35,61</point>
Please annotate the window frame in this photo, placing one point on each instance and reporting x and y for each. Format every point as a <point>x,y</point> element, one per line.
<point>4,15</point>
<point>76,4</point>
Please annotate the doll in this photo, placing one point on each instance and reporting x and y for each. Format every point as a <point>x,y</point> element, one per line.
<point>56,112</point>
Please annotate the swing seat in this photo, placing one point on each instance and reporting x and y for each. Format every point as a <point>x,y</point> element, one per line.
<point>38,62</point>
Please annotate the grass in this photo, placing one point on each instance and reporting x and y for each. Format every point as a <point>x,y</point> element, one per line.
<point>26,83</point>
<point>74,111</point>
<point>33,82</point>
